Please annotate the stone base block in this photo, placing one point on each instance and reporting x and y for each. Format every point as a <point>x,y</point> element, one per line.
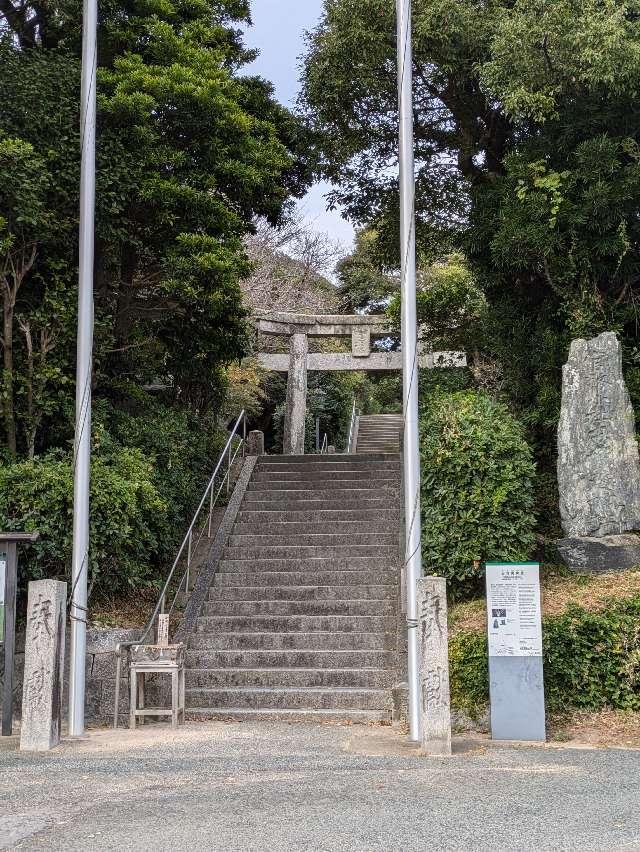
<point>400,699</point>
<point>600,555</point>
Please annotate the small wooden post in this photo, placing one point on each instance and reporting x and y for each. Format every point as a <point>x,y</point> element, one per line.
<point>9,544</point>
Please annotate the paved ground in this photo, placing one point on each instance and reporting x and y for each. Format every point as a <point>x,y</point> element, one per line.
<point>300,787</point>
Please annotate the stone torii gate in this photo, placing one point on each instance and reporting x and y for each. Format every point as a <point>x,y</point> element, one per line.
<point>361,329</point>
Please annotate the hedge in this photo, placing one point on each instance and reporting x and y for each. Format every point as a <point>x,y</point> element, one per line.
<point>478,480</point>
<point>591,661</point>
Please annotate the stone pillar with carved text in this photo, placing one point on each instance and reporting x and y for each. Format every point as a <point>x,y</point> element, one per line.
<point>43,666</point>
<point>296,409</point>
<point>433,633</point>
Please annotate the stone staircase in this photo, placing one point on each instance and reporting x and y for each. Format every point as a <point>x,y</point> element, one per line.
<point>379,433</point>
<point>300,620</point>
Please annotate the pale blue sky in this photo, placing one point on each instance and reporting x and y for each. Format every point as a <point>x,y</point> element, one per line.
<point>278,33</point>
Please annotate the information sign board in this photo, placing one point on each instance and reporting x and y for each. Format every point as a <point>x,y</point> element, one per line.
<point>514,629</point>
<point>514,623</point>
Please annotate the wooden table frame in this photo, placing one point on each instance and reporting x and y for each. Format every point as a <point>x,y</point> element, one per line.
<point>137,672</point>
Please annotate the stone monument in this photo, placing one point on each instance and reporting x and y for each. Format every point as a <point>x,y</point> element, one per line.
<point>433,632</point>
<point>43,666</point>
<point>598,462</point>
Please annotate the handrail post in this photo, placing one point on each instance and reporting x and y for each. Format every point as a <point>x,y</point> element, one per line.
<point>186,587</point>
<point>210,511</point>
<point>244,438</point>
<point>228,469</point>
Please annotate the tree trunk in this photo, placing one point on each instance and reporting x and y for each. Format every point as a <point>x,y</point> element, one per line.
<point>7,336</point>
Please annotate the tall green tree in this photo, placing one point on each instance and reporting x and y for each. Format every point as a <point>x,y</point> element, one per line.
<point>527,134</point>
<point>189,152</point>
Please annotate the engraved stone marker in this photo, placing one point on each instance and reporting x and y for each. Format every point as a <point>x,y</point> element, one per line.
<point>598,463</point>
<point>255,443</point>
<point>163,631</point>
<point>361,342</point>
<point>433,633</point>
<point>43,666</point>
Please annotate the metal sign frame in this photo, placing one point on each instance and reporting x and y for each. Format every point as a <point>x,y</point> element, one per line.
<point>516,676</point>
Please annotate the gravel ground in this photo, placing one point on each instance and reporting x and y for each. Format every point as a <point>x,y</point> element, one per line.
<point>301,787</point>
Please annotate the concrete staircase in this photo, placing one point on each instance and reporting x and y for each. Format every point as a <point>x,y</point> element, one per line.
<point>379,433</point>
<point>300,620</point>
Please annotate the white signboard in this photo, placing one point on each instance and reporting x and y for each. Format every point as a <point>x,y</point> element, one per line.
<point>514,620</point>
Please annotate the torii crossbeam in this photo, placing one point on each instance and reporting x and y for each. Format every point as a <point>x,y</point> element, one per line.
<point>361,329</point>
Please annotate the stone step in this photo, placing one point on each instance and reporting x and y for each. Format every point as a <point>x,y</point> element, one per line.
<point>337,482</point>
<point>303,593</point>
<point>360,678</point>
<point>286,641</point>
<point>332,607</point>
<point>335,496</point>
<point>324,516</point>
<point>311,659</point>
<point>372,474</point>
<point>311,539</point>
<point>315,471</point>
<point>295,623</point>
<point>241,714</point>
<point>346,530</point>
<point>334,698</point>
<point>323,459</point>
<point>363,504</point>
<point>312,564</point>
<point>297,551</point>
<point>244,575</point>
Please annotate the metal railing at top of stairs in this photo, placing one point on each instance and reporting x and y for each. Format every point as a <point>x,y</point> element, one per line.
<point>192,539</point>
<point>352,427</point>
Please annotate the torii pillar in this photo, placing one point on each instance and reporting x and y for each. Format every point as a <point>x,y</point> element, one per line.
<point>296,407</point>
<point>361,329</point>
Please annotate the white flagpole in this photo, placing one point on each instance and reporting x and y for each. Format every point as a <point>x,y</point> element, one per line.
<point>413,555</point>
<point>82,447</point>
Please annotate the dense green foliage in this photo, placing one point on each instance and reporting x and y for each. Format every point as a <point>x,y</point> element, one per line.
<point>189,153</point>
<point>128,517</point>
<point>477,486</point>
<point>149,467</point>
<point>527,137</point>
<point>591,661</point>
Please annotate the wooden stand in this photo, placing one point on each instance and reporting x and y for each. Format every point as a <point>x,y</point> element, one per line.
<point>153,659</point>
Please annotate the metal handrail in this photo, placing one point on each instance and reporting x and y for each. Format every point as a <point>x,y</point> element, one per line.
<point>230,454</point>
<point>352,427</point>
<point>324,449</point>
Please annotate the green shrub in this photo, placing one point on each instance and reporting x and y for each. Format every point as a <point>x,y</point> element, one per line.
<point>469,672</point>
<point>591,661</point>
<point>127,523</point>
<point>477,486</point>
<point>182,449</point>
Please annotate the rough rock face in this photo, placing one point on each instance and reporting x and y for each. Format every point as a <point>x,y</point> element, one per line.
<point>600,555</point>
<point>598,463</point>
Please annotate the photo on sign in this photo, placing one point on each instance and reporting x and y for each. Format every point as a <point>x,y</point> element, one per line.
<point>499,613</point>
